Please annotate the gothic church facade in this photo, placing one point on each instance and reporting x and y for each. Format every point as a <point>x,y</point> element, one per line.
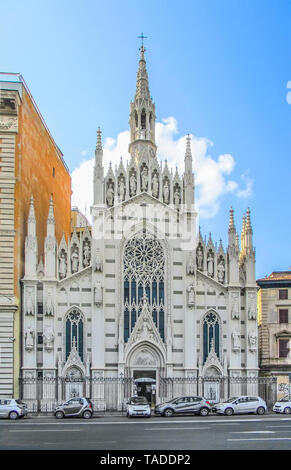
<point>143,295</point>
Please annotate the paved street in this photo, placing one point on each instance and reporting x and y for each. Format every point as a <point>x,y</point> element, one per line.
<point>118,433</point>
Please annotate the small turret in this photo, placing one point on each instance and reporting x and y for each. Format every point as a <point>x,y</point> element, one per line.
<point>31,243</point>
<point>98,171</point>
<point>188,175</point>
<point>50,244</point>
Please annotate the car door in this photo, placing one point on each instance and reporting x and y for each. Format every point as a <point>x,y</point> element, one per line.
<point>181,404</point>
<point>1,409</point>
<point>73,407</point>
<point>242,405</point>
<point>253,404</point>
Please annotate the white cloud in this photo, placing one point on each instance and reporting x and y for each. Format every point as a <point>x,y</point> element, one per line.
<point>211,176</point>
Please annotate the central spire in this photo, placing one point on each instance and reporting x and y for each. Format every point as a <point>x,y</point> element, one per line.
<point>142,115</point>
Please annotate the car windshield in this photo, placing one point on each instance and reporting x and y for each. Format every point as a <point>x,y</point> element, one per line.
<point>285,399</point>
<point>230,400</point>
<point>138,401</point>
<point>19,402</point>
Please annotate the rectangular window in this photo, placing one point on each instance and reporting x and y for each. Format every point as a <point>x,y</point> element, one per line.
<point>283,347</point>
<point>283,315</point>
<point>283,294</point>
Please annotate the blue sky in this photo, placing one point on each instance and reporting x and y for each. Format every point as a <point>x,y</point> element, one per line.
<point>219,68</point>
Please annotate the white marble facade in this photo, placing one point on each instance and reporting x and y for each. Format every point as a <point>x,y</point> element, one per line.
<point>142,291</point>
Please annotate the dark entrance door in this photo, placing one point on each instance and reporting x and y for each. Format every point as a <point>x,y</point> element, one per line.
<point>145,383</point>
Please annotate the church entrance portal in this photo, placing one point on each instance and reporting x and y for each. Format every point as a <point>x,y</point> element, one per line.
<point>145,384</point>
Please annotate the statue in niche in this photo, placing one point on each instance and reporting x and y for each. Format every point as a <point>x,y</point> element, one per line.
<point>191,295</point>
<point>62,265</point>
<point>166,192</point>
<point>29,339</point>
<point>75,260</point>
<point>29,307</point>
<point>234,306</point>
<point>87,254</point>
<point>155,188</point>
<point>253,340</point>
<point>236,340</point>
<point>191,264</point>
<point>132,184</point>
<point>252,310</point>
<point>144,178</point>
<point>49,305</point>
<point>199,258</point>
<point>98,261</point>
<point>110,195</point>
<point>210,264</point>
<point>48,338</point>
<point>98,293</point>
<point>121,190</point>
<point>221,271</point>
<point>177,198</point>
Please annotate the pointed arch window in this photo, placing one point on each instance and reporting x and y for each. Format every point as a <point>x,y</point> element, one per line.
<point>144,273</point>
<point>211,334</point>
<point>75,332</point>
<point>143,119</point>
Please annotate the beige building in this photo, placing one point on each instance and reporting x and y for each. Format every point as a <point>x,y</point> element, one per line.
<point>274,319</point>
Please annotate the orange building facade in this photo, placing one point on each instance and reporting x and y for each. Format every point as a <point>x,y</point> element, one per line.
<point>31,164</point>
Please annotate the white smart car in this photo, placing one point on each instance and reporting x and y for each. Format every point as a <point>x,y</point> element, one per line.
<point>283,406</point>
<point>138,406</point>
<point>240,405</point>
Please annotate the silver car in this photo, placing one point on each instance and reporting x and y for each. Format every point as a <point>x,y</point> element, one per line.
<point>138,406</point>
<point>184,405</point>
<point>12,409</point>
<point>78,407</point>
<point>283,406</point>
<point>240,405</point>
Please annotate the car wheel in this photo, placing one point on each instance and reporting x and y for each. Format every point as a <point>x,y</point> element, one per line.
<point>13,415</point>
<point>287,410</point>
<point>261,410</point>
<point>87,414</point>
<point>228,412</point>
<point>59,415</point>
<point>204,412</point>
<point>168,413</point>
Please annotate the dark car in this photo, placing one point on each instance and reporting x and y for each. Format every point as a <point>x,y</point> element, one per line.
<point>77,407</point>
<point>184,405</point>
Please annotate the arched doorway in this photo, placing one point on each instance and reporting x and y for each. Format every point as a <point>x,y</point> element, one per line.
<point>74,383</point>
<point>145,363</point>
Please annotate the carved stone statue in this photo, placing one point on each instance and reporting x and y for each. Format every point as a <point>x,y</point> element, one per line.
<point>199,258</point>
<point>210,263</point>
<point>166,192</point>
<point>191,264</point>
<point>49,304</point>
<point>110,195</point>
<point>252,308</point>
<point>144,178</point>
<point>98,293</point>
<point>62,266</point>
<point>220,271</point>
<point>253,341</point>
<point>75,260</point>
<point>234,306</point>
<point>155,188</point>
<point>48,338</point>
<point>191,295</point>
<point>29,304</point>
<point>29,339</point>
<point>132,184</point>
<point>121,190</point>
<point>98,261</point>
<point>87,254</point>
<point>177,198</point>
<point>235,340</point>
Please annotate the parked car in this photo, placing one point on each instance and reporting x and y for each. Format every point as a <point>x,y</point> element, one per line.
<point>283,406</point>
<point>184,405</point>
<point>138,406</point>
<point>12,409</point>
<point>243,404</point>
<point>76,407</point>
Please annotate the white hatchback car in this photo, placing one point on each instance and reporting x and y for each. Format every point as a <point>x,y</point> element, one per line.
<point>283,406</point>
<point>12,409</point>
<point>138,406</point>
<point>240,405</point>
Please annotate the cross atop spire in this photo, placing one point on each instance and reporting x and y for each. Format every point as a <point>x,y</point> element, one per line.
<point>142,37</point>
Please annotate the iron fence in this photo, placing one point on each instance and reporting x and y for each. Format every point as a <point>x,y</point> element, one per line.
<point>110,394</point>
